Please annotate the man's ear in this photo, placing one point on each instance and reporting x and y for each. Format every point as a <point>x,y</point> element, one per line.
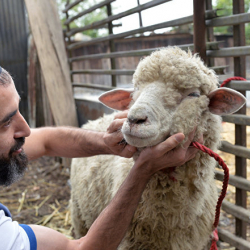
<point>224,101</point>
<point>117,99</point>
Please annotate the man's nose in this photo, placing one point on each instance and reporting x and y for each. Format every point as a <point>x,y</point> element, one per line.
<point>23,129</point>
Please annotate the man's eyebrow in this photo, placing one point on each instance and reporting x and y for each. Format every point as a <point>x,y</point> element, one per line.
<point>8,116</point>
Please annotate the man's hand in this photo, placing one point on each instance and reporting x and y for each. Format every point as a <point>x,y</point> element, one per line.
<point>168,154</point>
<point>114,138</point>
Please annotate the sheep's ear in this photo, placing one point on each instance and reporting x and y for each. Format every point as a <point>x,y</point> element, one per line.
<point>224,101</point>
<point>117,99</point>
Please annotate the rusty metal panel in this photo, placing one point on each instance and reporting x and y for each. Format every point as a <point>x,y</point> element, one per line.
<point>14,46</point>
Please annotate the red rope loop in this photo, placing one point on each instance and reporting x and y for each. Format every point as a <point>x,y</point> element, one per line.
<point>237,78</point>
<point>226,172</point>
<point>225,181</point>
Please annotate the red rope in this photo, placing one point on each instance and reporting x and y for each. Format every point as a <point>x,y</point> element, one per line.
<point>214,240</point>
<point>237,78</point>
<point>225,181</point>
<point>224,186</point>
<point>226,174</point>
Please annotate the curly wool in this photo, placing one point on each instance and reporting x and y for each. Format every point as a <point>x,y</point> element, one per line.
<point>176,211</point>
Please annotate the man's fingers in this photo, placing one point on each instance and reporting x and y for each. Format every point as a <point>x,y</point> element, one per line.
<point>169,144</point>
<point>116,125</point>
<point>200,139</point>
<point>113,139</point>
<point>191,152</point>
<point>122,114</point>
<point>190,139</point>
<point>129,151</point>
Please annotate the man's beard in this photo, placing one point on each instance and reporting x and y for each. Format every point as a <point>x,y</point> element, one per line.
<point>12,168</point>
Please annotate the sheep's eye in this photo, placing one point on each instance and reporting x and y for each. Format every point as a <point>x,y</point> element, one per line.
<point>194,94</point>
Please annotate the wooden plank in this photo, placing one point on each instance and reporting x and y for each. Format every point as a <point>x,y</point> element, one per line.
<point>229,20</point>
<point>240,151</point>
<point>92,86</point>
<point>47,32</point>
<point>238,85</point>
<point>103,72</point>
<point>100,23</point>
<point>131,53</point>
<point>237,211</point>
<point>237,119</point>
<point>230,52</point>
<point>236,181</point>
<point>233,240</point>
<point>72,5</point>
<point>176,22</point>
<point>240,130</point>
<point>97,6</point>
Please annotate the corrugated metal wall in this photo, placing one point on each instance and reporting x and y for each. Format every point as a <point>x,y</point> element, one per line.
<point>14,46</point>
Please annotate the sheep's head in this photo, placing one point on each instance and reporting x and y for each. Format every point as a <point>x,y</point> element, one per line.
<point>173,92</point>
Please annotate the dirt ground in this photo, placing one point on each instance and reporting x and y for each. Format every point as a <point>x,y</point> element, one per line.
<point>42,196</point>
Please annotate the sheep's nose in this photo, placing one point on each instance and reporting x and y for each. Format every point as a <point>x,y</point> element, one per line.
<point>137,120</point>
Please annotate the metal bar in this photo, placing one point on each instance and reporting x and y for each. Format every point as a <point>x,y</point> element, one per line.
<point>103,72</point>
<point>118,16</point>
<point>236,181</point>
<point>142,52</point>
<point>238,85</point>
<point>240,151</point>
<point>177,22</point>
<point>233,240</point>
<point>237,211</point>
<point>199,28</point>
<point>229,20</point>
<point>70,6</point>
<point>229,52</point>
<point>240,130</point>
<point>237,119</point>
<point>97,6</point>
<point>92,86</point>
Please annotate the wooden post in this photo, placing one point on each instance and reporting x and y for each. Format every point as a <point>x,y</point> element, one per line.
<point>210,33</point>
<point>199,28</point>
<point>111,45</point>
<point>240,131</point>
<point>47,33</point>
<point>139,13</point>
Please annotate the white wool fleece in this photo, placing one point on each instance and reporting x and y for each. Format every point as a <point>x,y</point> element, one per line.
<point>177,208</point>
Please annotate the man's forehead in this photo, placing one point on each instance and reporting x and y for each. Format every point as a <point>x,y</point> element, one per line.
<point>9,98</point>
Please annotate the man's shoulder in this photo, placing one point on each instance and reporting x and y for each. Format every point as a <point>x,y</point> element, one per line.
<point>5,210</point>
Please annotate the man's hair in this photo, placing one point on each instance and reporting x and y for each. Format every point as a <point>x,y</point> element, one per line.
<point>5,77</point>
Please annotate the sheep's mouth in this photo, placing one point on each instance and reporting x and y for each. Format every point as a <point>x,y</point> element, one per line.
<point>140,141</point>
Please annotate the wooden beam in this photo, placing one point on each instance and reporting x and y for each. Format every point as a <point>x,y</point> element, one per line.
<point>240,130</point>
<point>47,33</point>
<point>199,28</point>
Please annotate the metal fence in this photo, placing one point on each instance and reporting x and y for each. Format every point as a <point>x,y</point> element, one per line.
<point>14,46</point>
<point>204,19</point>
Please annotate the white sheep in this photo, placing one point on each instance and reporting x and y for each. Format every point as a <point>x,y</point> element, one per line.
<point>173,92</point>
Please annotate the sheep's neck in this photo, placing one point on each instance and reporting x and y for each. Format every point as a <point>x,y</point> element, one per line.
<point>167,171</point>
